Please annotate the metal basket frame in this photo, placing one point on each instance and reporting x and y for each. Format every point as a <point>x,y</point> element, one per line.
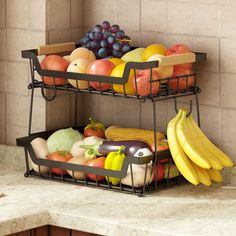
<point>165,93</point>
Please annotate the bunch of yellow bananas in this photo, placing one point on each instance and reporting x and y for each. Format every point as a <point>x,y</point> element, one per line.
<point>196,157</point>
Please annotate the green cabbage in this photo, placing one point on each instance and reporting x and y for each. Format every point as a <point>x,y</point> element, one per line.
<point>63,140</point>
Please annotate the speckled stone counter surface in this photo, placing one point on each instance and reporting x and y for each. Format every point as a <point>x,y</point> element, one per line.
<point>182,210</point>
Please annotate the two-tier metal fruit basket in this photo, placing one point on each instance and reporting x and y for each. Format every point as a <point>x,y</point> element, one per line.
<point>165,93</point>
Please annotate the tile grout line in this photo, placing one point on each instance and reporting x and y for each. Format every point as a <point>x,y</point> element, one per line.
<point>219,64</point>
<point>5,70</point>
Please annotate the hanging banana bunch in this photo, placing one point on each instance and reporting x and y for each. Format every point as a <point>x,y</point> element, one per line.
<point>196,157</point>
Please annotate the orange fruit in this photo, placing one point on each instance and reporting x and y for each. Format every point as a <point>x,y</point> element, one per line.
<point>118,72</point>
<point>116,61</point>
<point>153,49</point>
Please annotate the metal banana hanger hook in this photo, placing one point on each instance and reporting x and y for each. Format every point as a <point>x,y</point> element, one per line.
<point>190,107</point>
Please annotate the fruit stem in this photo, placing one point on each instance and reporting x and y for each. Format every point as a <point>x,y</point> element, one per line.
<point>119,152</point>
<point>86,146</point>
<point>92,123</point>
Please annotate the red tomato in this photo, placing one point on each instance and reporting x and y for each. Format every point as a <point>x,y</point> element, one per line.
<point>173,83</point>
<point>143,82</point>
<point>59,156</point>
<point>98,162</point>
<point>54,62</point>
<point>100,67</point>
<point>161,172</point>
<point>94,132</point>
<point>161,145</point>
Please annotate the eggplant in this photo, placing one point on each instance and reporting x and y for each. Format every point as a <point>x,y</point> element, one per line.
<point>133,148</point>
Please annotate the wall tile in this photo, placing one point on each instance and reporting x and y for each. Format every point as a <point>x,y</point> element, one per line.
<point>228,21</point>
<point>37,38</point>
<point>153,15</point>
<point>226,2</point>
<point>186,1</point>
<point>59,14</point>
<point>127,113</point>
<point>17,110</point>
<point>206,20</point>
<point>210,122</point>
<point>39,113</point>
<point>2,134</point>
<point>172,39</point>
<point>96,11</point>
<point>13,132</point>
<point>80,109</point>
<point>228,88</point>
<point>17,78</point>
<point>153,37</point>
<point>209,1</point>
<point>2,13</point>
<point>179,17</point>
<point>77,13</point>
<point>228,132</point>
<point>223,2</point>
<point>2,109</point>
<point>59,36</point>
<point>210,85</point>
<point>17,14</point>
<point>38,11</point>
<point>2,75</point>
<point>101,108</point>
<point>135,37</point>
<point>227,58</point>
<point>211,47</point>
<point>77,34</point>
<point>147,116</point>
<point>2,44</point>
<point>14,46</point>
<point>123,17</point>
<point>58,112</point>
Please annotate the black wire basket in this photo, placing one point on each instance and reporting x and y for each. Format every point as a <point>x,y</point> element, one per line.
<point>165,92</point>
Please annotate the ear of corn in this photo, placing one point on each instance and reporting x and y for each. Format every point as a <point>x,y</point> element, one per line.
<point>119,133</point>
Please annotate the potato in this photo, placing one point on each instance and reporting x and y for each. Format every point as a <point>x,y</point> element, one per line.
<point>41,151</point>
<point>79,160</point>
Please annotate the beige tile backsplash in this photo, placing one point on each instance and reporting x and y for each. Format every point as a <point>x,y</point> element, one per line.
<point>156,12</point>
<point>58,14</point>
<point>129,21</point>
<point>37,14</point>
<point>2,13</point>
<point>180,17</point>
<point>205,25</point>
<point>17,14</point>
<point>2,76</point>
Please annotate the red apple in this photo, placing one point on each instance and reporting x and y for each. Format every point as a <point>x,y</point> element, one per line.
<point>54,62</point>
<point>173,83</point>
<point>100,67</point>
<point>180,49</point>
<point>98,162</point>
<point>143,82</point>
<point>161,172</point>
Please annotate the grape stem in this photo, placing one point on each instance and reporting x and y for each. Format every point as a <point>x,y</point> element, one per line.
<point>124,40</point>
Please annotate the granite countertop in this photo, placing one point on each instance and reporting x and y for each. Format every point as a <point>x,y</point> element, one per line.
<point>181,210</point>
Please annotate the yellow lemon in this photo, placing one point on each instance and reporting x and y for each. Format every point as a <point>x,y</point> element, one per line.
<point>134,55</point>
<point>118,72</point>
<point>116,61</point>
<point>153,49</point>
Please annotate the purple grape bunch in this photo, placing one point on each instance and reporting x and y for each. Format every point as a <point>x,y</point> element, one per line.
<point>106,40</point>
